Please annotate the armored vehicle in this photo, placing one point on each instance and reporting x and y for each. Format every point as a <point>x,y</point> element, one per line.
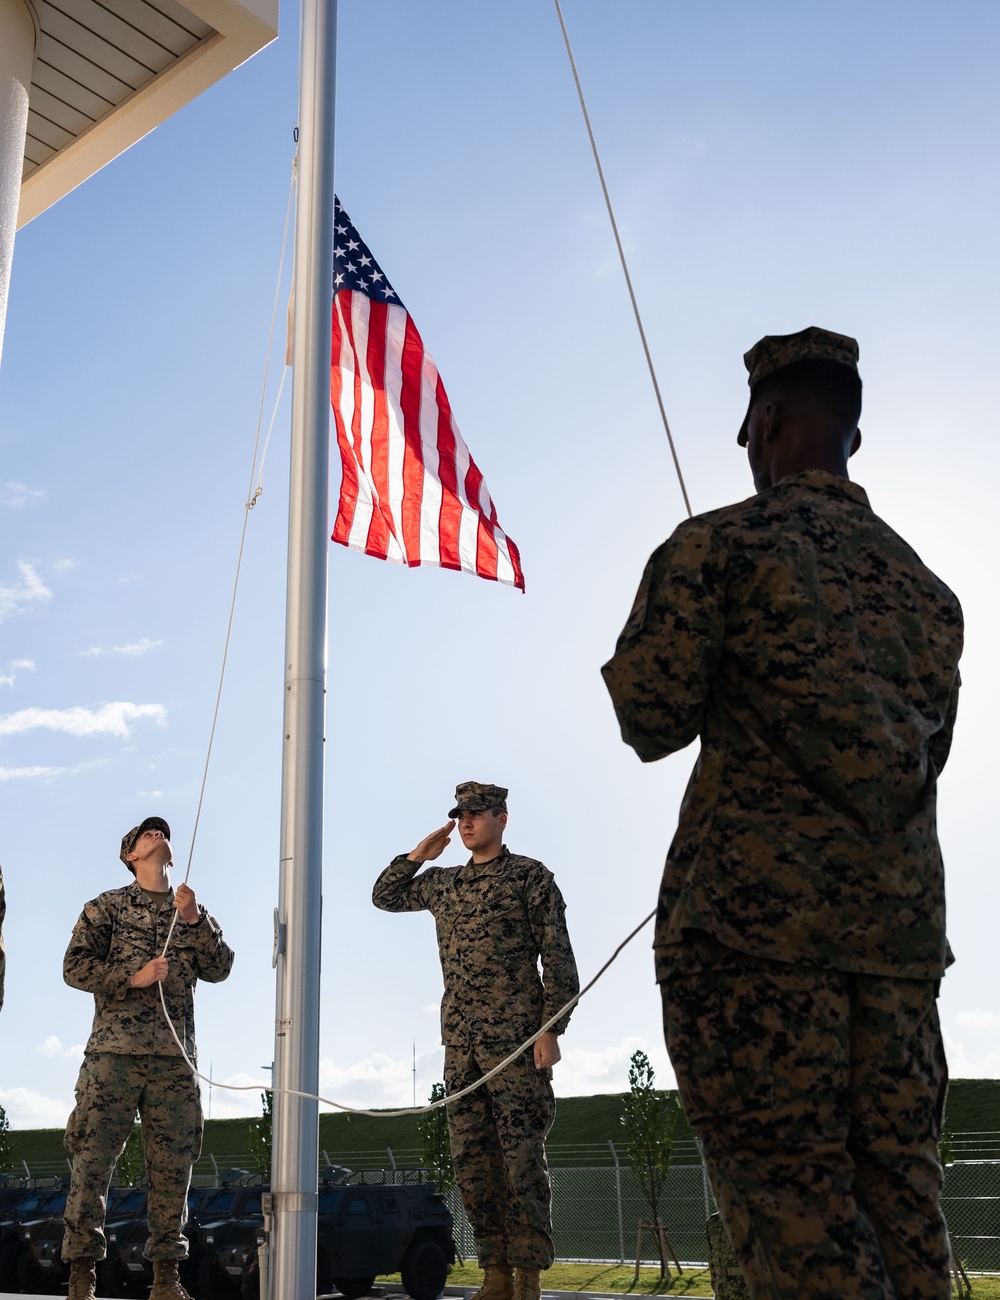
<point>40,1266</point>
<point>364,1230</point>
<point>127,1272</point>
<point>33,1204</point>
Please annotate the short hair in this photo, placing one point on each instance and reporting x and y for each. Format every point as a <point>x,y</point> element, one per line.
<point>835,387</point>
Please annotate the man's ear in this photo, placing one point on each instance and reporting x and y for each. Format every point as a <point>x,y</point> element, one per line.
<point>502,819</point>
<point>771,416</point>
<point>856,443</point>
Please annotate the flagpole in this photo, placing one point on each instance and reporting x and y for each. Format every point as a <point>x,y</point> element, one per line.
<point>292,1265</point>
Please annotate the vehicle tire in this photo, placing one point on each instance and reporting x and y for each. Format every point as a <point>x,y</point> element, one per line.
<point>354,1287</point>
<point>424,1270</point>
<point>213,1285</point>
<point>9,1254</point>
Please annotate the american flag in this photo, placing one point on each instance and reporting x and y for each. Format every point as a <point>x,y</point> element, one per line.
<point>410,491</point>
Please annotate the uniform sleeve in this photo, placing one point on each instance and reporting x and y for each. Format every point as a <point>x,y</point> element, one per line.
<point>666,656</point>
<point>397,891</point>
<point>213,956</point>
<point>940,744</point>
<point>547,917</point>
<point>86,965</point>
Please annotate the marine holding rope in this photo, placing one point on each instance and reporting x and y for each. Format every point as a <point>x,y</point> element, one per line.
<point>132,1062</point>
<point>495,917</point>
<point>800,934</point>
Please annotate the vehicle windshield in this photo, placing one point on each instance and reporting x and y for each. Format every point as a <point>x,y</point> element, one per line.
<point>126,1202</point>
<point>219,1202</point>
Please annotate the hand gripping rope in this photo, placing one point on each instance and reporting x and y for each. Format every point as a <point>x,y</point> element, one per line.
<point>253,495</point>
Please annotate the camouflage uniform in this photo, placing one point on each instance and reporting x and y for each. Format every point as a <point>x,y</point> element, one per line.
<point>132,1063</point>
<point>494,920</point>
<point>800,930</point>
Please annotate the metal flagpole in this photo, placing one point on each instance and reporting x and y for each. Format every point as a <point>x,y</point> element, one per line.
<point>292,1265</point>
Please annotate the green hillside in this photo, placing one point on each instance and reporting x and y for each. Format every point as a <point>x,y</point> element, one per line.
<point>583,1128</point>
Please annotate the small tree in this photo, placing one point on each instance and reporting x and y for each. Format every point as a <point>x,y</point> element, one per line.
<point>433,1130</point>
<point>6,1146</point>
<point>260,1135</point>
<point>132,1162</point>
<point>650,1118</point>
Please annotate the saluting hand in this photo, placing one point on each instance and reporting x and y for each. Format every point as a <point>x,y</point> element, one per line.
<point>433,845</point>
<point>152,973</point>
<point>186,904</point>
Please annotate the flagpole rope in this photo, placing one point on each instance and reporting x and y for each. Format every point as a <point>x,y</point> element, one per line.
<point>621,255</point>
<point>249,504</point>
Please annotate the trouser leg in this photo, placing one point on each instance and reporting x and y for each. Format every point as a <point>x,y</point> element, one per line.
<point>898,1079</point>
<point>523,1107</point>
<point>761,1051</point>
<point>476,1156</point>
<point>170,1110</point>
<point>107,1095</point>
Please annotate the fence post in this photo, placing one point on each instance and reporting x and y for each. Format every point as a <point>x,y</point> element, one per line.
<point>618,1199</point>
<point>392,1159</point>
<point>704,1180</point>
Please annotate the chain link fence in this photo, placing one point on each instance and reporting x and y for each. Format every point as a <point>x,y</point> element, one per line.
<point>596,1208</point>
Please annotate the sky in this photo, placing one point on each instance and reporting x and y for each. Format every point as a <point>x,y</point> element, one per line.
<point>772,166</point>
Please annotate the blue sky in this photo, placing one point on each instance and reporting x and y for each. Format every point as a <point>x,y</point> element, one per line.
<point>773,166</point>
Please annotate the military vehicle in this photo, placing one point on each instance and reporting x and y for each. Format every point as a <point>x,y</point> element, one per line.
<point>40,1266</point>
<point>127,1272</point>
<point>33,1203</point>
<point>365,1230</point>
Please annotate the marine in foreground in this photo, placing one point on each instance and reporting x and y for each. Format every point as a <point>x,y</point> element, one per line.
<point>800,935</point>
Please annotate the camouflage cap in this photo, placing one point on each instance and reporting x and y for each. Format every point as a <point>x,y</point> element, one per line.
<point>474,796</point>
<point>775,351</point>
<point>130,837</point>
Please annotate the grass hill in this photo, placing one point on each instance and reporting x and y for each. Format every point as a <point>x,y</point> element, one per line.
<point>583,1128</point>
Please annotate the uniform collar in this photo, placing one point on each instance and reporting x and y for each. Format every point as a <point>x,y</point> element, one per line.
<point>818,480</point>
<point>139,898</point>
<point>472,870</point>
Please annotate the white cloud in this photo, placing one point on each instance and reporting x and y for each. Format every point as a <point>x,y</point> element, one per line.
<point>139,647</point>
<point>61,566</point>
<point>30,588</point>
<point>233,1105</point>
<point>53,1048</point>
<point>971,1065</point>
<point>379,1082</point>
<point>20,773</point>
<point>109,719</point>
<point>581,1073</point>
<point>978,1019</point>
<point>29,1109</point>
<point>7,680</point>
<point>18,494</point>
<point>150,794</point>
<point>28,665</point>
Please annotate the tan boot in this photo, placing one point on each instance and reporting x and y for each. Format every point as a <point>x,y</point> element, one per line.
<point>82,1278</point>
<point>166,1281</point>
<point>527,1284</point>
<point>498,1283</point>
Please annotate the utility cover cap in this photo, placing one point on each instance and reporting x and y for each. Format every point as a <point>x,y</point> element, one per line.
<point>474,796</point>
<point>775,351</point>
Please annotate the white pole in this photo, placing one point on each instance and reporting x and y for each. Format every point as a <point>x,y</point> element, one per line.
<point>292,1274</point>
<point>17,55</point>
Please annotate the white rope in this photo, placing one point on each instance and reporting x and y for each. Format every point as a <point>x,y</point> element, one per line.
<point>408,1110</point>
<point>621,255</point>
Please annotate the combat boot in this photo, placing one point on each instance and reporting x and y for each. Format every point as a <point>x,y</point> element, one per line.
<point>527,1284</point>
<point>498,1283</point>
<point>166,1281</point>
<point>82,1278</point>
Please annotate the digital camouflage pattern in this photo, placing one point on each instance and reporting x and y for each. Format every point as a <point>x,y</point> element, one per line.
<point>117,934</point>
<point>817,1095</point>
<point>112,1086</point>
<point>817,658</point>
<point>497,1138</point>
<point>494,920</point>
<point>774,351</point>
<point>476,796</point>
<point>3,951</point>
